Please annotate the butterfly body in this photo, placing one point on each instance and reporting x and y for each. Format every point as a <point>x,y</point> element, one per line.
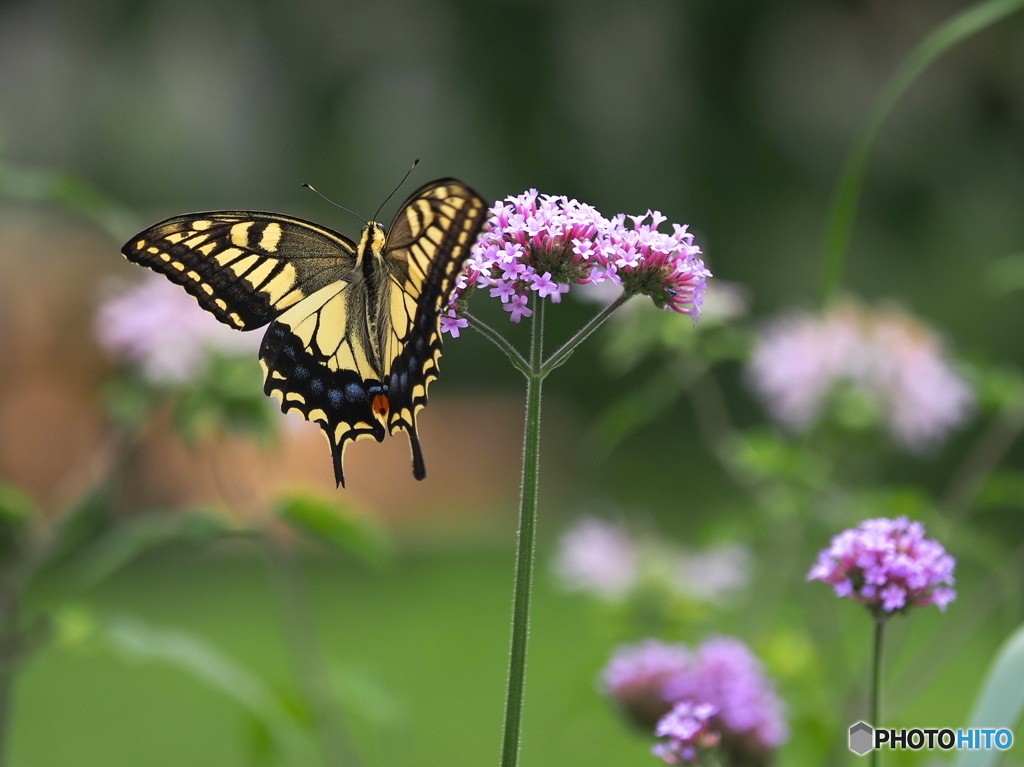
<point>354,329</point>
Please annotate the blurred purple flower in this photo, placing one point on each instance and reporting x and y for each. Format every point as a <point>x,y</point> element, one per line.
<point>635,678</point>
<point>598,557</point>
<point>723,672</point>
<point>887,565</point>
<point>710,574</point>
<point>890,357</point>
<point>159,327</point>
<point>687,728</point>
<point>543,244</point>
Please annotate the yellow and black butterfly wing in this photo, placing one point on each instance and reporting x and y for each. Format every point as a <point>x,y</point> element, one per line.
<point>244,267</point>
<point>317,360</point>
<point>426,249</point>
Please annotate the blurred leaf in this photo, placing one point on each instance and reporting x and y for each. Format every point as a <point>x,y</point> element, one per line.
<point>1001,700</point>
<point>229,397</point>
<point>1005,275</point>
<point>638,408</point>
<point>769,455</point>
<point>365,696</point>
<point>136,640</point>
<point>136,535</point>
<point>336,525</point>
<point>16,506</point>
<point>963,25</point>
<point>47,186</point>
<point>998,388</point>
<point>72,627</point>
<point>129,401</point>
<point>1004,489</point>
<point>80,527</point>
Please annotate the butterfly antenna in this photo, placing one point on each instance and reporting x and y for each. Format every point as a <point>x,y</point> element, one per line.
<point>311,188</point>
<point>411,168</point>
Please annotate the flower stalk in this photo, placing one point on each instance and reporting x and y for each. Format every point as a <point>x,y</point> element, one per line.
<point>876,682</point>
<point>526,545</point>
<point>532,248</point>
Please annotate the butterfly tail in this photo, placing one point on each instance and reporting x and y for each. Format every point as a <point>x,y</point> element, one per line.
<point>419,468</point>
<point>338,454</point>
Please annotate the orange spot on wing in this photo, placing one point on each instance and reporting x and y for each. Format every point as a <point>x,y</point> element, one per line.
<point>381,405</point>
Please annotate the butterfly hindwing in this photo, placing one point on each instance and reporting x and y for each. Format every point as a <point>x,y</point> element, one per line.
<point>429,243</point>
<point>244,267</point>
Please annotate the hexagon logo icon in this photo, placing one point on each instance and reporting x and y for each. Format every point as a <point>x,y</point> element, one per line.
<point>862,738</point>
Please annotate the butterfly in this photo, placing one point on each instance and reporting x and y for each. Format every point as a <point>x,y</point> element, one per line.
<point>354,336</point>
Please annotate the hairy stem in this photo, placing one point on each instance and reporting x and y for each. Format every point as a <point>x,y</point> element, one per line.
<point>525,546</point>
<point>876,684</point>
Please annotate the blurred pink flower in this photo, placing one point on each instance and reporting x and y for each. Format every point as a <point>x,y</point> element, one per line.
<point>598,557</point>
<point>890,357</point>
<point>159,327</point>
<point>710,574</point>
<point>649,678</point>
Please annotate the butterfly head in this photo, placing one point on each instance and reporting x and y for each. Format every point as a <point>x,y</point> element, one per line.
<point>373,238</point>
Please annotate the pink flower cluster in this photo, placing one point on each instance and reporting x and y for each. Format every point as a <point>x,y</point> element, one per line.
<point>889,357</point>
<point>687,728</point>
<point>887,565</point>
<point>649,679</point>
<point>541,244</point>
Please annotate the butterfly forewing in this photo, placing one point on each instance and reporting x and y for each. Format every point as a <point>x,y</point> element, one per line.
<point>429,242</point>
<point>244,267</point>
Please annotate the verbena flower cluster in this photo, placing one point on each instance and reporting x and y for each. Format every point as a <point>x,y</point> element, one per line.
<point>648,679</point>
<point>687,732</point>
<point>891,358</point>
<point>156,325</point>
<point>600,558</point>
<point>887,565</point>
<point>542,244</point>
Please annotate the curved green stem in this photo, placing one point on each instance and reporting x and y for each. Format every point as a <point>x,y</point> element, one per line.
<point>501,342</point>
<point>566,350</point>
<point>525,545</point>
<point>844,204</point>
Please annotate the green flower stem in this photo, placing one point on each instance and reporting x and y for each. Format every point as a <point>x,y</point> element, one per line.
<point>535,370</point>
<point>10,645</point>
<point>560,356</point>
<point>525,546</point>
<point>876,684</point>
<point>844,203</point>
<point>498,340</point>
<point>312,674</point>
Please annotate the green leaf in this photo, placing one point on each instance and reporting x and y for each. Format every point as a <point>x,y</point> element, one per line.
<point>968,22</point>
<point>80,527</point>
<point>336,525</point>
<point>16,506</point>
<point>1001,700</point>
<point>136,535</point>
<point>227,396</point>
<point>129,401</point>
<point>1006,274</point>
<point>135,640</point>
<point>1004,489</point>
